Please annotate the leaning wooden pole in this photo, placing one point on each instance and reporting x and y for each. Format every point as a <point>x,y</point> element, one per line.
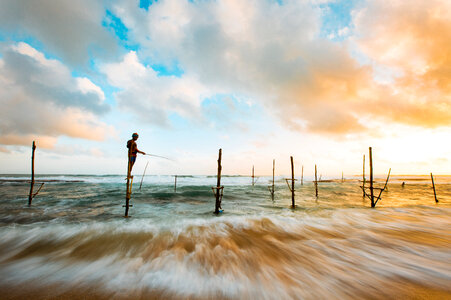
<point>433,187</point>
<point>371,178</point>
<point>218,184</point>
<point>142,178</point>
<point>30,196</point>
<point>363,175</point>
<point>383,189</point>
<point>293,205</point>
<point>316,183</point>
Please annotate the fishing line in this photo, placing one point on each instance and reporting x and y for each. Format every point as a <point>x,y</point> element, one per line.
<point>140,185</point>
<point>159,156</point>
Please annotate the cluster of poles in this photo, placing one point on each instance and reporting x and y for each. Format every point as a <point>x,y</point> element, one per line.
<point>368,191</point>
<point>368,188</point>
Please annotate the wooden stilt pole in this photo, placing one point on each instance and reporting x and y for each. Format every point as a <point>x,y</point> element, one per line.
<point>316,183</point>
<point>30,196</point>
<point>273,168</point>
<point>175,184</point>
<point>218,184</point>
<point>129,188</point>
<point>371,178</point>
<point>363,174</point>
<point>293,205</point>
<point>433,186</point>
<point>342,177</point>
<point>253,175</point>
<point>302,176</point>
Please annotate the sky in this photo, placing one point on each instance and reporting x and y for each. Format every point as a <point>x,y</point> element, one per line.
<point>318,80</point>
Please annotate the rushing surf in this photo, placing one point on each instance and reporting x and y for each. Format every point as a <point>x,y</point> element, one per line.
<point>73,240</point>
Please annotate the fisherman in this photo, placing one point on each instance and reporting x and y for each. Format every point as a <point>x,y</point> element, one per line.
<point>132,151</point>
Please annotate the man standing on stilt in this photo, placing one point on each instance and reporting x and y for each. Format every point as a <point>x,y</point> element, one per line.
<point>132,152</point>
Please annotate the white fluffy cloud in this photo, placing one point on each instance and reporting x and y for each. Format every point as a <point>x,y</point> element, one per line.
<point>269,52</point>
<point>40,99</point>
<point>275,55</point>
<point>71,30</point>
<point>153,97</point>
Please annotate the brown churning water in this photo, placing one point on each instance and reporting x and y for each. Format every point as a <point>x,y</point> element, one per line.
<point>73,243</point>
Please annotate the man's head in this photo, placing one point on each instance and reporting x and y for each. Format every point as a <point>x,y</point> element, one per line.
<point>135,136</point>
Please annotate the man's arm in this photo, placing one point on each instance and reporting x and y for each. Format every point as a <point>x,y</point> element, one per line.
<point>143,153</point>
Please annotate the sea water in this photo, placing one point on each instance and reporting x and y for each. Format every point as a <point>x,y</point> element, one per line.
<point>73,242</point>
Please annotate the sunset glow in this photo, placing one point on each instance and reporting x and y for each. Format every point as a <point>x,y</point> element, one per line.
<point>319,80</point>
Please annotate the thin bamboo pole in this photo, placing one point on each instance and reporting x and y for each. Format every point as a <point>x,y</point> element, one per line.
<point>371,178</point>
<point>433,186</point>
<point>342,177</point>
<point>218,184</point>
<point>273,168</point>
<point>175,184</point>
<point>384,189</point>
<point>142,178</point>
<point>30,196</point>
<point>293,205</point>
<point>316,182</point>
<point>253,176</point>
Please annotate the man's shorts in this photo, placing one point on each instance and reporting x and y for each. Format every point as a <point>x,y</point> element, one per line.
<point>132,159</point>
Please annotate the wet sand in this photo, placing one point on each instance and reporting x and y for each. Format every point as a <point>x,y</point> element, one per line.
<point>396,290</point>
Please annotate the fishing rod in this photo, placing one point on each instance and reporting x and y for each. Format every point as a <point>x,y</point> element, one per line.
<point>140,185</point>
<point>158,156</point>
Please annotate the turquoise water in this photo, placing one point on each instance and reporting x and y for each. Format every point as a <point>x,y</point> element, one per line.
<point>74,237</point>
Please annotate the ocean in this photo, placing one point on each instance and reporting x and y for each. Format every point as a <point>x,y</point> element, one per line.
<point>74,243</point>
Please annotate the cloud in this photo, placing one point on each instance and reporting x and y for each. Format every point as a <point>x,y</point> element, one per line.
<point>46,142</point>
<point>41,100</point>
<point>271,53</point>
<point>48,80</point>
<point>152,97</point>
<point>411,41</point>
<point>71,30</point>
<point>275,55</point>
<point>86,86</point>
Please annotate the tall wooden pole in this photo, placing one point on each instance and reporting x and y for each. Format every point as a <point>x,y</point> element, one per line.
<point>302,176</point>
<point>218,184</point>
<point>252,175</point>
<point>273,168</point>
<point>175,184</point>
<point>342,177</point>
<point>433,186</point>
<point>316,182</point>
<point>30,196</point>
<point>371,178</point>
<point>292,183</point>
<point>128,192</point>
<point>363,174</point>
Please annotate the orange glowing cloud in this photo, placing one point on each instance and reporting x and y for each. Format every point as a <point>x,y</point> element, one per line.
<point>410,40</point>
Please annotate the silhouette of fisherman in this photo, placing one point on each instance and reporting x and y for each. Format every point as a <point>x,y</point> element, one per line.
<point>132,152</point>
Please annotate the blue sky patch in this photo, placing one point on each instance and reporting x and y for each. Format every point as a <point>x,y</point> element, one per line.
<point>164,70</point>
<point>337,16</point>
<point>114,24</point>
<point>146,3</point>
